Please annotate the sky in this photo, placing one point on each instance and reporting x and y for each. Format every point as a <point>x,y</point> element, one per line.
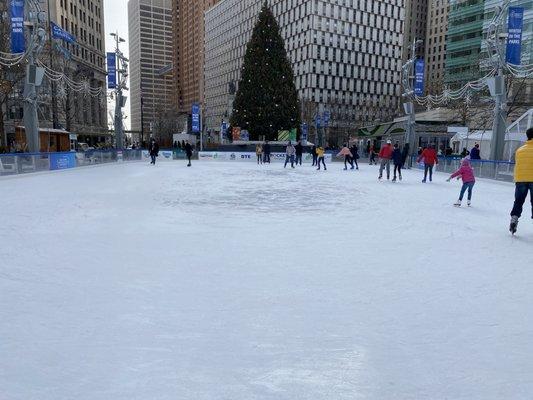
<point>116,20</point>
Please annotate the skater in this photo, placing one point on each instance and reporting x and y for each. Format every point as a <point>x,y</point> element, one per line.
<point>429,155</point>
<point>289,154</point>
<point>266,152</point>
<point>188,152</point>
<point>523,174</point>
<point>475,154</point>
<point>347,154</point>
<point>372,154</point>
<point>259,154</point>
<point>299,152</point>
<point>385,156</point>
<point>320,158</point>
<point>153,148</point>
<point>397,159</point>
<point>355,155</point>
<point>466,172</point>
<point>315,157</point>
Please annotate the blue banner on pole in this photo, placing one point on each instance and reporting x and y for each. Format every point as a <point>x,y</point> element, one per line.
<point>305,132</point>
<point>195,118</point>
<point>514,38</point>
<point>111,71</point>
<point>59,33</point>
<point>16,11</point>
<point>419,77</point>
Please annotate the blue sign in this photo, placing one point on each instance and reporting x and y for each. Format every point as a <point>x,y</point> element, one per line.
<point>514,38</point>
<point>59,33</point>
<point>111,71</point>
<point>305,132</point>
<point>196,118</point>
<point>62,161</point>
<point>419,77</point>
<point>16,11</point>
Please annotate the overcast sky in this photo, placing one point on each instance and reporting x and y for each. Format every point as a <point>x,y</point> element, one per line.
<point>116,20</point>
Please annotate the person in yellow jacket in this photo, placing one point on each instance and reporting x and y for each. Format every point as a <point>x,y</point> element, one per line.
<point>320,155</point>
<point>523,176</point>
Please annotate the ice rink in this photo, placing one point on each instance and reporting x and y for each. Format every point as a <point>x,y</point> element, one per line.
<point>237,282</point>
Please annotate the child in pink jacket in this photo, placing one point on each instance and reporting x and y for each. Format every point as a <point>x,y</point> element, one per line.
<point>466,172</point>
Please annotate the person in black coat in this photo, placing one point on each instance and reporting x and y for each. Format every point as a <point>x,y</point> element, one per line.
<point>299,152</point>
<point>398,161</point>
<point>188,152</point>
<point>355,155</point>
<point>153,148</point>
<point>475,154</point>
<point>266,152</point>
<point>405,154</point>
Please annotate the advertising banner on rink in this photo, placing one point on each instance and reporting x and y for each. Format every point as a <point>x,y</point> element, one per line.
<point>249,156</point>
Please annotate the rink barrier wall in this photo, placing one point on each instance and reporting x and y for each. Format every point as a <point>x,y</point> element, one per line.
<point>24,163</point>
<point>236,156</point>
<point>497,170</point>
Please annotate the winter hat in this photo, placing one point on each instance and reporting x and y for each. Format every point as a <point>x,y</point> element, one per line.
<point>466,161</point>
<point>389,142</point>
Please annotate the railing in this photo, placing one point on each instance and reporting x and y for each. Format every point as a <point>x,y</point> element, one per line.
<point>498,170</point>
<point>23,163</point>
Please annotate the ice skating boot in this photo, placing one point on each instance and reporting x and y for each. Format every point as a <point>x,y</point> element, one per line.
<point>469,203</point>
<point>394,179</point>
<point>514,224</point>
<point>458,203</point>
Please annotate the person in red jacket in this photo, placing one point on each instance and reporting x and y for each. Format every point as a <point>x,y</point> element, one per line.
<point>385,156</point>
<point>430,158</point>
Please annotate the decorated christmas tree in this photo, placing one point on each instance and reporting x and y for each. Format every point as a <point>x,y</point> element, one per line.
<point>266,100</point>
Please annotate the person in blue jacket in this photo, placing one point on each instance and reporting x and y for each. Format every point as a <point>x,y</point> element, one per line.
<point>397,159</point>
<point>475,153</point>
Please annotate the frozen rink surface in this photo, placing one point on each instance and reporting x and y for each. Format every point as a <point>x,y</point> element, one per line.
<point>238,282</point>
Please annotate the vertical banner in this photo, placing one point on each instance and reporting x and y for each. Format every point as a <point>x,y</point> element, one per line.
<point>111,71</point>
<point>305,133</point>
<point>195,118</point>
<point>326,118</point>
<point>514,38</point>
<point>16,11</point>
<point>419,77</point>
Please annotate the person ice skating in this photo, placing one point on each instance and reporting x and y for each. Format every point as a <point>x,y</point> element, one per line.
<point>266,152</point>
<point>397,159</point>
<point>259,154</point>
<point>475,153</point>
<point>355,155</point>
<point>299,152</point>
<point>347,154</point>
<point>372,154</point>
<point>315,157</point>
<point>188,152</point>
<point>385,155</point>
<point>320,157</point>
<point>405,155</point>
<point>466,172</point>
<point>465,152</point>
<point>523,176</point>
<point>289,154</point>
<point>153,148</point>
<point>429,155</point>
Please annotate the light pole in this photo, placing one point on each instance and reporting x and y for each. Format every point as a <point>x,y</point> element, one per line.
<point>120,100</point>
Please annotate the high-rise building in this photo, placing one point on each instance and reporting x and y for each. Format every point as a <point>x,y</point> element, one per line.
<point>416,15</point>
<point>189,51</point>
<point>346,56</point>
<point>463,46</point>
<point>84,60</point>
<point>435,45</point>
<point>151,64</point>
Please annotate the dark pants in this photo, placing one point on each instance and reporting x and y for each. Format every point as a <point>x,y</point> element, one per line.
<point>428,168</point>
<point>189,158</point>
<point>298,159</point>
<point>153,156</point>
<point>373,158</point>
<point>467,186</point>
<point>321,160</point>
<point>315,160</point>
<point>289,158</point>
<point>266,158</point>
<point>355,162</point>
<point>521,191</point>
<point>259,159</point>
<point>348,160</point>
<point>397,167</point>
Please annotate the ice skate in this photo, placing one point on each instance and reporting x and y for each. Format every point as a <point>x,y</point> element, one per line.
<point>514,225</point>
<point>457,203</point>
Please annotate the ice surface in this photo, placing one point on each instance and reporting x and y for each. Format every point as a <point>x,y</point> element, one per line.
<point>233,281</point>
